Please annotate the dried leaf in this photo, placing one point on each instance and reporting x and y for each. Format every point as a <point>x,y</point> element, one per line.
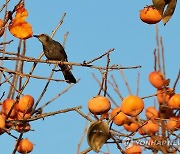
<point>169,11</point>
<point>97,135</point>
<point>159,5</point>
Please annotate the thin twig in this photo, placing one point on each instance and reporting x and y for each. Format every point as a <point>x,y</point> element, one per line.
<point>58,95</point>
<point>177,79</point>
<point>138,83</point>
<point>106,53</point>
<point>125,81</point>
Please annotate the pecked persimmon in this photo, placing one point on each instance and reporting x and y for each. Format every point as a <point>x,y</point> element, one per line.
<point>157,79</point>
<point>133,149</point>
<point>151,112</point>
<point>99,105</point>
<point>150,15</point>
<point>132,105</point>
<point>174,101</point>
<point>25,146</point>
<point>25,103</point>
<point>18,27</point>
<point>7,105</point>
<point>118,117</point>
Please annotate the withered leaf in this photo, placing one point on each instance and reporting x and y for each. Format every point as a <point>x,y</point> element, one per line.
<point>97,135</point>
<point>169,11</point>
<point>159,5</point>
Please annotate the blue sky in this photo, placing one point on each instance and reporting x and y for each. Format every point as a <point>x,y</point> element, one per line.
<point>94,27</point>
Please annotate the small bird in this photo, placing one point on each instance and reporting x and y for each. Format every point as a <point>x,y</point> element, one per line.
<point>53,50</point>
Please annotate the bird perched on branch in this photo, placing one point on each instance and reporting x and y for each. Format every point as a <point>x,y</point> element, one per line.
<point>53,50</point>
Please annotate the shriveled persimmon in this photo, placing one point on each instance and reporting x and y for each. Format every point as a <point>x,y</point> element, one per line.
<point>132,105</point>
<point>174,101</point>
<point>99,105</point>
<point>25,103</point>
<point>133,149</point>
<point>151,112</point>
<point>25,146</point>
<point>157,79</point>
<point>118,117</point>
<point>25,127</point>
<point>8,105</point>
<point>163,95</point>
<point>150,15</point>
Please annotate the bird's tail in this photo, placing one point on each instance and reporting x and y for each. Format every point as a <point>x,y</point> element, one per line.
<point>67,74</point>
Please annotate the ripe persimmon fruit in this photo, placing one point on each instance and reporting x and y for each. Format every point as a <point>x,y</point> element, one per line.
<point>174,101</point>
<point>163,95</point>
<point>25,103</point>
<point>172,123</point>
<point>8,124</point>
<point>99,105</point>
<point>151,112</point>
<point>133,149</point>
<point>131,127</point>
<point>157,79</point>
<point>132,105</point>
<point>25,146</point>
<point>118,117</point>
<point>1,27</point>
<point>2,123</point>
<point>21,115</point>
<point>150,128</point>
<point>7,105</point>
<point>150,15</point>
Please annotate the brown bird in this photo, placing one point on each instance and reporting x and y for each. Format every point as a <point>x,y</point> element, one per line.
<point>53,50</point>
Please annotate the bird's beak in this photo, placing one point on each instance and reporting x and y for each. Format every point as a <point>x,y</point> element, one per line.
<point>36,36</point>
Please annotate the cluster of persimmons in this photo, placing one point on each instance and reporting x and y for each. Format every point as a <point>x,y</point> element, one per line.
<point>21,110</point>
<point>131,106</point>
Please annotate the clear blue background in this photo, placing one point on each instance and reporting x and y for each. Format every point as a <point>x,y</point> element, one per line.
<point>94,27</point>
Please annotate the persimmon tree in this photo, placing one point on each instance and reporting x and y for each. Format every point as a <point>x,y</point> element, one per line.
<point>158,125</point>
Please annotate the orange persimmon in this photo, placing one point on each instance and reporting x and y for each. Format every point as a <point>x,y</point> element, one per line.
<point>163,95</point>
<point>151,112</point>
<point>25,103</point>
<point>132,105</point>
<point>157,79</point>
<point>174,101</point>
<point>118,117</point>
<point>99,105</point>
<point>150,15</point>
<point>25,146</point>
<point>131,127</point>
<point>133,149</point>
<point>7,105</point>
<point>1,27</point>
